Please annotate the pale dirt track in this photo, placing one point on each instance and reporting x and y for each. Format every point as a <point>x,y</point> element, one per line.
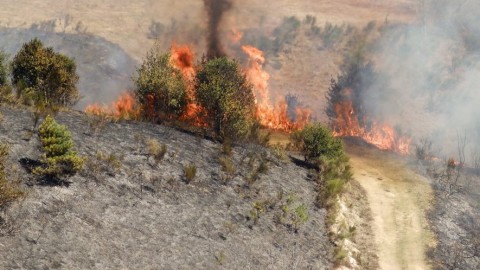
<point>398,199</point>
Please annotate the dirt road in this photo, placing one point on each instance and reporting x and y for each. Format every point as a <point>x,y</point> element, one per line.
<point>398,199</point>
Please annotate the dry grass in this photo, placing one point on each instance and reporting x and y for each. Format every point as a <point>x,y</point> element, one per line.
<point>156,149</point>
<point>190,173</point>
<point>9,190</point>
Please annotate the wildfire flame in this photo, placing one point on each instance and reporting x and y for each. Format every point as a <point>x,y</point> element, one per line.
<point>123,108</point>
<point>271,116</point>
<point>274,117</point>
<point>382,136</point>
<point>182,58</point>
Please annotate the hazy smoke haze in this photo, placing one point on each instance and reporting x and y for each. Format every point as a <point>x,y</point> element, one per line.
<point>430,83</point>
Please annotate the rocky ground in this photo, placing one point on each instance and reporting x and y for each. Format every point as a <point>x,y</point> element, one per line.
<point>127,211</point>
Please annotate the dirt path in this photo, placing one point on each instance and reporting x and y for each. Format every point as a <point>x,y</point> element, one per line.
<point>398,198</point>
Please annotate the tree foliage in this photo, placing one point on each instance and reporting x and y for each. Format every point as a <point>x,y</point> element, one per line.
<point>223,90</point>
<point>59,157</point>
<point>326,152</point>
<point>159,87</point>
<point>45,76</point>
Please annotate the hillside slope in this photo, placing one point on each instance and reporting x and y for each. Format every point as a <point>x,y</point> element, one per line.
<point>125,211</point>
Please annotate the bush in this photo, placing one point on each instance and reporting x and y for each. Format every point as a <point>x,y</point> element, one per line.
<point>190,173</point>
<point>9,191</point>
<point>59,158</point>
<point>317,143</point>
<point>159,87</point>
<point>223,90</point>
<point>327,154</point>
<point>44,76</point>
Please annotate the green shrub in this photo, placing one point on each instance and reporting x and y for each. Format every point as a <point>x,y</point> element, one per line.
<point>223,90</point>
<point>190,173</point>
<point>59,158</point>
<point>327,154</point>
<point>159,87</point>
<point>280,152</point>
<point>9,191</point>
<point>44,76</point>
<point>301,216</point>
<point>317,143</point>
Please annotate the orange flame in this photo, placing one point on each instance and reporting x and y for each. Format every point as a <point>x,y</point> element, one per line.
<point>182,58</point>
<point>271,116</point>
<point>381,135</point>
<point>123,108</point>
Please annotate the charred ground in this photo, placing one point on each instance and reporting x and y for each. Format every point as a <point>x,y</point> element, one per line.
<point>126,210</point>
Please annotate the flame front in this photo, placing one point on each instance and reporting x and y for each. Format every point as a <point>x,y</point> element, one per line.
<point>274,117</point>
<point>124,107</point>
<point>271,116</point>
<point>382,136</point>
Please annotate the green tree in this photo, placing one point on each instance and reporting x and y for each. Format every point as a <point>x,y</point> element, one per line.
<point>223,90</point>
<point>160,87</point>
<point>59,157</point>
<point>47,77</point>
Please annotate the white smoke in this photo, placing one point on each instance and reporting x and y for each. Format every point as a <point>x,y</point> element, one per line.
<point>432,70</point>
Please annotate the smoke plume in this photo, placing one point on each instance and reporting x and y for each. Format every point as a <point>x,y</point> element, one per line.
<point>430,85</point>
<point>215,10</point>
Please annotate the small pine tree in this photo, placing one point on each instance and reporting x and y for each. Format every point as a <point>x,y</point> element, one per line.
<point>59,157</point>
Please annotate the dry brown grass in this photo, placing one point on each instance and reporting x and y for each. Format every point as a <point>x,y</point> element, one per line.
<point>9,190</point>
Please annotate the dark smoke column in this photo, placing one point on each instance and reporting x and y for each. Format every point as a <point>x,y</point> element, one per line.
<point>215,10</point>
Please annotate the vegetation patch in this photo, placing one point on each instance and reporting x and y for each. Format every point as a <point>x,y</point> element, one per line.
<point>190,172</point>
<point>59,158</point>
<point>9,191</point>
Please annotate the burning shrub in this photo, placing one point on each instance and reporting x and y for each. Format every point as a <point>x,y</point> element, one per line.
<point>47,77</point>
<point>159,87</point>
<point>59,157</point>
<point>223,90</point>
